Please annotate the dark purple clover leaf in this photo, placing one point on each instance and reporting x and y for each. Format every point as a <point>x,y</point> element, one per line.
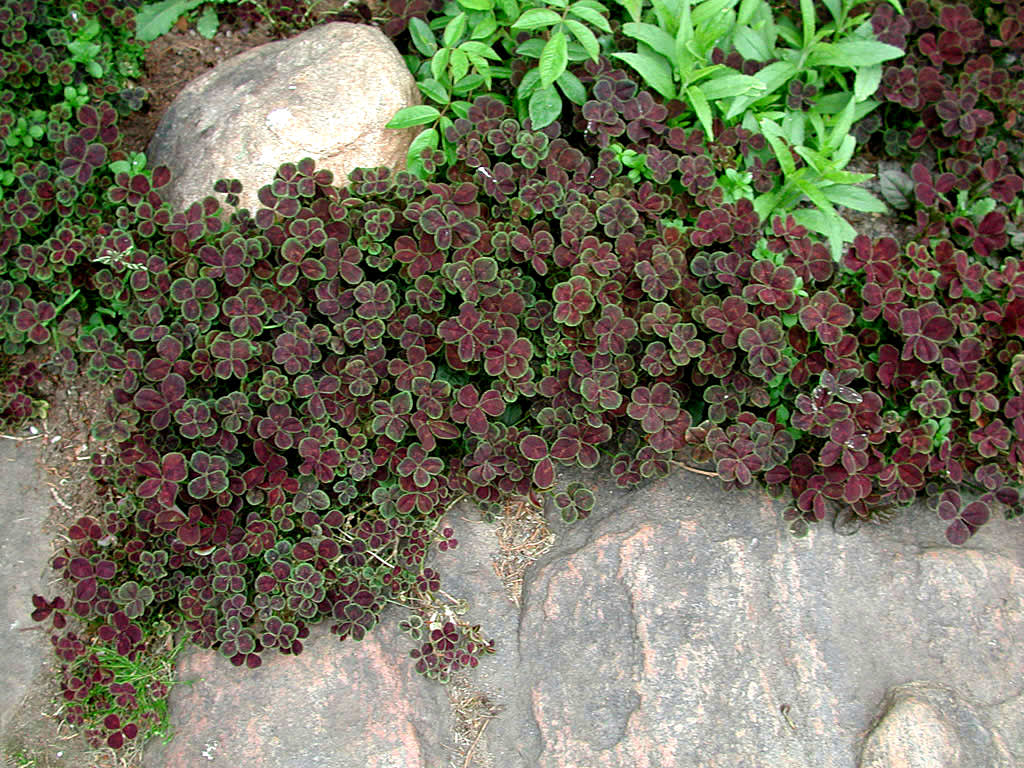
<point>209,475</point>
<point>122,633</point>
<point>134,598</point>
<point>82,159</point>
<point>231,355</point>
<point>375,300</point>
<point>229,263</point>
<point>924,328</point>
<point>162,479</point>
<point>573,299</point>
<point>685,346</point>
<point>764,346</point>
<point>577,444</point>
<point>600,391</point>
<point>617,217</point>
<point>992,439</point>
<point>653,407</point>
<point>827,316</point>
<point>318,461</point>
<point>392,418</point>
<point>280,426</point>
<point>195,419</point>
<point>295,354</point>
<point>473,409</point>
<point>470,331</point>
<point>614,330</point>
<point>162,403</point>
<point>199,219</point>
<point>932,400</point>
<point>33,319</point>
<point>420,466</point>
<point>576,503</point>
<point>773,286</point>
<point>662,273</point>
<point>534,448</point>
<point>196,297</point>
<point>86,574</point>
<point>964,520</point>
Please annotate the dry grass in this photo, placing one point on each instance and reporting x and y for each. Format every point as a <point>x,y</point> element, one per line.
<point>523,536</point>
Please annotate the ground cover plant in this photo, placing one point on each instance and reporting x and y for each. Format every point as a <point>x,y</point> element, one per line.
<point>618,273</point>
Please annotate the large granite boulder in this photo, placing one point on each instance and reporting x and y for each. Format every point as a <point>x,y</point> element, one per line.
<point>681,625</point>
<point>325,94</point>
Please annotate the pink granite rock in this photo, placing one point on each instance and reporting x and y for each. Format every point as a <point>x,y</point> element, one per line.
<point>925,725</point>
<point>336,705</point>
<point>325,94</point>
<point>684,626</point>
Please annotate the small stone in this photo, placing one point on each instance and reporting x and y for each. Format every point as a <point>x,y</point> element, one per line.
<point>926,726</point>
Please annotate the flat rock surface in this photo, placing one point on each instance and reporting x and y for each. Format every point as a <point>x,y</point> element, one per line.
<point>24,555</point>
<point>679,625</point>
<point>325,94</point>
<point>336,705</point>
<point>684,626</point>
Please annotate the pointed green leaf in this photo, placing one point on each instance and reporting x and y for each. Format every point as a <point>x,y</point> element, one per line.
<point>654,36</point>
<point>428,139</point>
<point>484,29</point>
<point>537,18</point>
<point>866,82</point>
<point>773,134</point>
<point>728,86</point>
<point>553,59</point>
<point>532,48</point>
<point>710,10</point>
<point>155,19</point>
<point>857,198</point>
<point>585,37</point>
<point>853,53</point>
<point>455,29</point>
<point>633,8</point>
<point>571,86</point>
<point>702,108</point>
<point>757,46</point>
<point>545,107</point>
<point>458,64</point>
<point>807,17</point>
<point>439,63</point>
<point>842,126</point>
<point>422,36</point>
<point>433,90</point>
<point>774,76</point>
<point>590,15</point>
<point>654,69</point>
<point>746,11</point>
<point>206,24</point>
<point>407,117</point>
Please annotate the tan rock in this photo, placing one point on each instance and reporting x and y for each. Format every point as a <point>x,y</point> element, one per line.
<point>924,725</point>
<point>325,94</point>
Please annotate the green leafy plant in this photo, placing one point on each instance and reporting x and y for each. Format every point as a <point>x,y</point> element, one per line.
<point>462,63</point>
<point>737,59</point>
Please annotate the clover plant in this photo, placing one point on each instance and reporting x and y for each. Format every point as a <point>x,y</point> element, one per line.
<point>300,392</point>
